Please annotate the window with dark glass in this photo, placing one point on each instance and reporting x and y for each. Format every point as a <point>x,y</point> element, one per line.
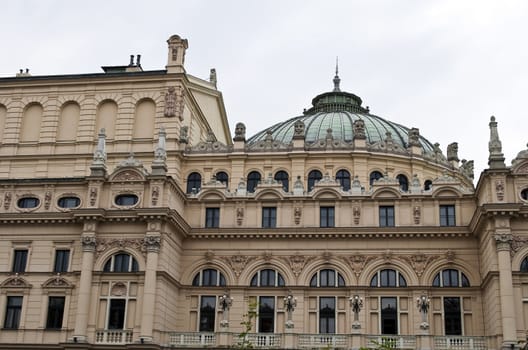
<point>222,177</point>
<point>55,312</point>
<point>62,259</point>
<point>374,176</point>
<point>524,265</point>
<point>269,217</point>
<point>126,199</point>
<point>524,194</point>
<point>313,177</point>
<point>327,315</point>
<point>388,278</point>
<point>326,217</point>
<point>452,316</point>
<point>266,315</point>
<point>447,215</point>
<point>327,278</point>
<point>212,217</point>
<point>450,278</point>
<point>209,278</point>
<point>28,202</point>
<point>389,315</point>
<point>403,181</point>
<point>343,177</point>
<point>267,278</point>
<point>20,260</point>
<point>386,215</point>
<point>69,202</point>
<point>121,262</point>
<point>116,314</point>
<point>13,312</point>
<point>207,313</point>
<point>283,178</point>
<point>194,182</point>
<point>428,184</point>
<point>253,180</point>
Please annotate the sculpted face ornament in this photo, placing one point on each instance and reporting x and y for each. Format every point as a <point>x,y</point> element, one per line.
<point>240,132</point>
<point>299,128</point>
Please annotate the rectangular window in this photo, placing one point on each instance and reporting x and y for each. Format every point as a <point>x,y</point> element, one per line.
<point>447,215</point>
<point>386,215</point>
<point>20,260</point>
<point>269,217</point>
<point>62,259</point>
<point>55,312</point>
<point>389,315</point>
<point>327,315</point>
<point>266,315</point>
<point>207,314</point>
<point>212,217</point>
<point>327,217</point>
<point>13,312</point>
<point>452,316</point>
<point>116,314</point>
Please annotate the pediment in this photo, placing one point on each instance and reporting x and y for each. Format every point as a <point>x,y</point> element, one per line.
<point>57,282</point>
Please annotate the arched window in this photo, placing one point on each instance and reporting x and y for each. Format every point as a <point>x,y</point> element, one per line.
<point>267,278</point>
<point>209,278</point>
<point>253,180</point>
<point>388,278</point>
<point>222,177</point>
<point>524,265</point>
<point>374,176</point>
<point>343,176</point>
<point>428,184</point>
<point>313,177</point>
<point>524,194</point>
<point>121,262</point>
<point>404,182</point>
<point>283,178</point>
<point>450,278</point>
<point>327,278</point>
<point>194,182</point>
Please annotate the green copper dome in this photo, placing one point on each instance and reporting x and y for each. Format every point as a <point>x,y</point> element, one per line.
<point>338,111</point>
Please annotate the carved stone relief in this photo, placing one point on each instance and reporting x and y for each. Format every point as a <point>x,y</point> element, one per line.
<point>238,262</point>
<point>297,214</point>
<point>119,289</point>
<point>93,196</point>
<point>239,215</point>
<point>356,213</point>
<point>7,200</point>
<point>419,261</point>
<point>417,214</point>
<point>297,262</point>
<point>155,195</point>
<point>104,244</point>
<point>47,200</point>
<point>358,262</point>
<point>499,189</point>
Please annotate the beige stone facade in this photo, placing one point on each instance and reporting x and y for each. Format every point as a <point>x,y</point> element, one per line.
<point>130,217</point>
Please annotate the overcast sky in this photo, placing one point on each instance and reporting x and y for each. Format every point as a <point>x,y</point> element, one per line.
<point>442,66</point>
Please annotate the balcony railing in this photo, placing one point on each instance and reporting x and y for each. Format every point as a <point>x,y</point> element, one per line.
<point>113,337</point>
<point>393,342</point>
<point>261,340</point>
<point>192,339</point>
<point>305,341</point>
<point>460,343</point>
<point>322,341</point>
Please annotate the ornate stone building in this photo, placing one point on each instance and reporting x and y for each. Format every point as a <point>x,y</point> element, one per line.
<point>130,218</point>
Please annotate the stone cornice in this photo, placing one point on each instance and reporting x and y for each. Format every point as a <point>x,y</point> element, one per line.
<point>336,233</point>
<point>102,215</point>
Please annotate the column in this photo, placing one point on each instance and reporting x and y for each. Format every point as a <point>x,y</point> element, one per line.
<point>88,242</point>
<point>152,242</point>
<point>509,330</point>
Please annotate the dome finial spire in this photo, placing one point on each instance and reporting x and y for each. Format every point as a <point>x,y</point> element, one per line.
<point>336,78</point>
